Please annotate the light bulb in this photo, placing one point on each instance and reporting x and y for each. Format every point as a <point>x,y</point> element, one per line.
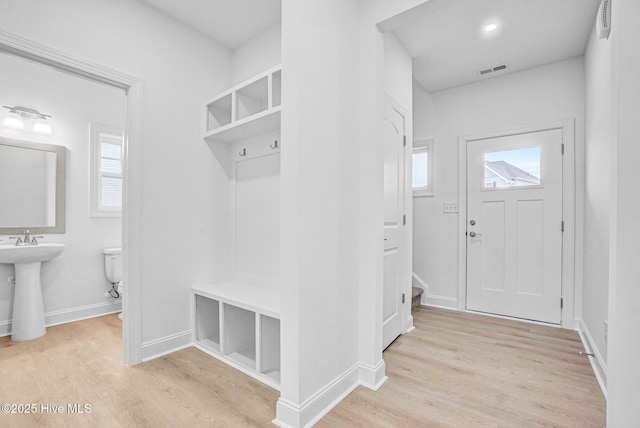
<point>42,127</point>
<point>13,121</point>
<point>491,27</point>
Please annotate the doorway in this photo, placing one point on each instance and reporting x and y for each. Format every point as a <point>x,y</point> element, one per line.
<point>394,222</point>
<point>131,165</point>
<point>513,224</point>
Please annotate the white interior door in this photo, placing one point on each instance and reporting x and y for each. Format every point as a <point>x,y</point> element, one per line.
<point>394,169</point>
<point>514,225</point>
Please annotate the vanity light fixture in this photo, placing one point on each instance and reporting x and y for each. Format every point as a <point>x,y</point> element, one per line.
<point>18,115</point>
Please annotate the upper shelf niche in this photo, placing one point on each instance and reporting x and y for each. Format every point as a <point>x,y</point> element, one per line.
<point>248,109</point>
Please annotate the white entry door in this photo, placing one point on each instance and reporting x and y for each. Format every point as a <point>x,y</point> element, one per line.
<point>394,170</point>
<point>514,225</point>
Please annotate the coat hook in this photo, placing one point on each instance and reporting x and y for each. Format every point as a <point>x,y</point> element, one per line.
<point>243,152</point>
<point>274,145</point>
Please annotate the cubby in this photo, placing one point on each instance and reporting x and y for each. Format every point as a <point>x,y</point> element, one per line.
<point>207,322</point>
<point>246,110</point>
<point>239,324</point>
<point>219,113</point>
<point>240,335</point>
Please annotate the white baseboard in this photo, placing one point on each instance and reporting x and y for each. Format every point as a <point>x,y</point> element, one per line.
<point>442,302</point>
<point>166,345</point>
<point>70,315</point>
<point>372,377</point>
<point>597,362</point>
<point>290,415</point>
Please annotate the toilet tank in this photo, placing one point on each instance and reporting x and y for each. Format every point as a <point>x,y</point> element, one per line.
<point>113,264</point>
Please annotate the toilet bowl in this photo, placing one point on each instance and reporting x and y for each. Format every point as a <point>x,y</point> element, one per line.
<point>113,271</point>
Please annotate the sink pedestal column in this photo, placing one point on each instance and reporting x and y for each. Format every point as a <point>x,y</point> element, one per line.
<point>28,309</point>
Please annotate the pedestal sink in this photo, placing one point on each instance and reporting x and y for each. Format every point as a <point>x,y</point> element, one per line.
<point>28,310</point>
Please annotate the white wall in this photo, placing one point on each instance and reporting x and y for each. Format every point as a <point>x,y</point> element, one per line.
<point>548,93</point>
<point>76,279</point>
<point>598,147</point>
<point>624,293</point>
<point>182,183</point>
<point>319,171</point>
<point>257,55</point>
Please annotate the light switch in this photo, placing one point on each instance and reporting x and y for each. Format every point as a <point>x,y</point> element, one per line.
<point>450,207</point>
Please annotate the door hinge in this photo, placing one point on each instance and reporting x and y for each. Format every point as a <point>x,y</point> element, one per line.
<point>404,220</point>
<point>404,140</point>
<point>402,297</point>
<point>561,303</point>
<point>562,226</point>
<point>562,148</point>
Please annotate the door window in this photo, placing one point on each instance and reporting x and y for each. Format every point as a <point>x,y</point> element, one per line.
<point>510,169</point>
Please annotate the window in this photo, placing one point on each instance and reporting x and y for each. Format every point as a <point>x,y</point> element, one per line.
<point>106,171</point>
<point>512,168</point>
<point>422,161</point>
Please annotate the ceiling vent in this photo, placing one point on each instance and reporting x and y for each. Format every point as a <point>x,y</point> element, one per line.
<point>604,19</point>
<point>492,70</point>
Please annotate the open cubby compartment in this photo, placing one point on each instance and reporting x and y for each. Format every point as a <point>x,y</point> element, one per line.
<point>219,112</point>
<point>240,335</point>
<point>276,88</point>
<point>270,347</point>
<point>207,328</point>
<point>252,98</point>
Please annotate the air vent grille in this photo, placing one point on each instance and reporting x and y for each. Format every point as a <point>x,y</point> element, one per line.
<point>492,70</point>
<point>604,19</point>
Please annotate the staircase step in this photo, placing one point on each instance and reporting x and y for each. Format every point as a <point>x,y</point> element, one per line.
<point>416,296</point>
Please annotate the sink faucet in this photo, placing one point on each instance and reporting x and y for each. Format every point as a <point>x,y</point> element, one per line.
<point>27,240</point>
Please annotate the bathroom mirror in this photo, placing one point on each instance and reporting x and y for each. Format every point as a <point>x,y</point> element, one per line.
<point>32,187</point>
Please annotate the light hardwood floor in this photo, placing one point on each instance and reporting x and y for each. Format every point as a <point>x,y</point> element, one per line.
<point>457,370</point>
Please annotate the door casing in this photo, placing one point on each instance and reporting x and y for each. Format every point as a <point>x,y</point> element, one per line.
<point>570,312</point>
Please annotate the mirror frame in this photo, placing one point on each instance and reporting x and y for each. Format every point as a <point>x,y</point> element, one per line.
<point>61,154</point>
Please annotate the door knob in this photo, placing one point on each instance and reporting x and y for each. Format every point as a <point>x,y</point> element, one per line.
<point>473,234</point>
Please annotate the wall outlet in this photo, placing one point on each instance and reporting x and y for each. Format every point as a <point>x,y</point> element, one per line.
<point>606,331</point>
<point>450,207</point>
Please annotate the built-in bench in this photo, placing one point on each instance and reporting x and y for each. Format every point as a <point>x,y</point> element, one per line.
<point>239,324</point>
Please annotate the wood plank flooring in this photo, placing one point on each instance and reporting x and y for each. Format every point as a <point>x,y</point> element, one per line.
<point>467,370</point>
<point>454,370</point>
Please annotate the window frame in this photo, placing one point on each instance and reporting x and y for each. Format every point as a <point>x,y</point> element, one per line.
<point>424,146</point>
<point>98,133</point>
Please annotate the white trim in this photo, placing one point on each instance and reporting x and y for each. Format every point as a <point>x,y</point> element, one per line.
<point>598,364</point>
<point>166,345</point>
<point>569,288</point>
<point>132,165</point>
<point>66,316</point>
<point>442,302</point>
<point>373,377</point>
<point>307,414</point>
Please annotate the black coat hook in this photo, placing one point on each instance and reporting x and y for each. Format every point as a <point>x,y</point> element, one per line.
<point>274,145</point>
<point>243,152</point>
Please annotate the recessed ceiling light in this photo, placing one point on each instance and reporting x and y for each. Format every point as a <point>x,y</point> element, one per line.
<point>490,27</point>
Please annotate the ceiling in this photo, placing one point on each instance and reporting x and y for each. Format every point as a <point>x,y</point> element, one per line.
<point>446,38</point>
<point>230,22</point>
<point>447,41</point>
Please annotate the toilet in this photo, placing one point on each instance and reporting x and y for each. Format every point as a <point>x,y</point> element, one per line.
<point>113,271</point>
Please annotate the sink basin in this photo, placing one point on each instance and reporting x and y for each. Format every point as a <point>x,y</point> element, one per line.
<point>29,253</point>
<point>28,309</point>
